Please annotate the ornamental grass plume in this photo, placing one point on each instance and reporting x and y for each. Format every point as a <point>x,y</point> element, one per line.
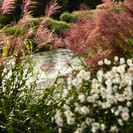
<point>13,45</point>
<point>106,32</point>
<point>8,6</point>
<point>106,4</point>
<point>51,8</point>
<point>128,7</point>
<point>23,23</point>
<point>46,38</point>
<point>28,5</point>
<point>43,35</point>
<point>9,46</point>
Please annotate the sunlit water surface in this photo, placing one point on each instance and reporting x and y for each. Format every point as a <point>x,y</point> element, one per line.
<point>52,63</point>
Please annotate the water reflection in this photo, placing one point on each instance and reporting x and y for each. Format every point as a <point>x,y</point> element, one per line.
<point>50,64</point>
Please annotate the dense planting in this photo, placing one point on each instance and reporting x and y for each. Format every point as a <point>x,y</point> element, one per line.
<point>96,98</point>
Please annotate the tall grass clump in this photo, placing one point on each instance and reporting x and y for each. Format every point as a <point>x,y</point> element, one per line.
<point>104,35</point>
<point>24,107</point>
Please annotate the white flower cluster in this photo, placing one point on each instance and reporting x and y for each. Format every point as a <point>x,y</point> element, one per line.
<point>109,91</point>
<point>58,118</point>
<point>77,82</point>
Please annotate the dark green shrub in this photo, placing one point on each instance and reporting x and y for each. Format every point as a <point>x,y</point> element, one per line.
<point>4,20</point>
<point>34,21</point>
<point>57,26</point>
<point>116,10</point>
<point>67,17</point>
<point>15,30</point>
<point>72,17</point>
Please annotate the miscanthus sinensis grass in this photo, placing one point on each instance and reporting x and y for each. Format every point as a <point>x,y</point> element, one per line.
<point>97,103</point>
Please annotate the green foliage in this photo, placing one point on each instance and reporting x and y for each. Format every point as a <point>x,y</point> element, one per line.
<point>34,21</point>
<point>57,26</point>
<point>67,17</point>
<point>15,30</point>
<point>72,17</point>
<point>116,10</point>
<point>88,101</point>
<point>4,20</point>
<point>87,14</point>
<point>23,108</point>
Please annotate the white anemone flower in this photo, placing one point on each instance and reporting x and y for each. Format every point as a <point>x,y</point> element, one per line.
<point>122,61</point>
<point>103,91</point>
<point>129,96</point>
<point>74,82</point>
<point>125,116</point>
<point>116,58</point>
<point>132,114</point>
<point>87,76</point>
<point>129,62</point>
<point>100,73</point>
<point>81,97</point>
<point>59,130</point>
<point>88,121</point>
<point>95,127</point>
<point>81,74</point>
<point>120,122</point>
<point>119,97</point>
<point>90,99</point>
<point>66,107</point>
<point>108,82</point>
<point>102,127</point>
<point>59,121</point>
<point>117,112</point>
<point>107,62</point>
<point>68,113</point>
<point>84,110</point>
<point>70,120</point>
<point>114,129</point>
<point>128,104</point>
<point>121,69</point>
<point>108,75</point>
<point>79,130</point>
<point>65,93</point>
<point>114,69</point>
<point>83,125</point>
<point>100,63</point>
